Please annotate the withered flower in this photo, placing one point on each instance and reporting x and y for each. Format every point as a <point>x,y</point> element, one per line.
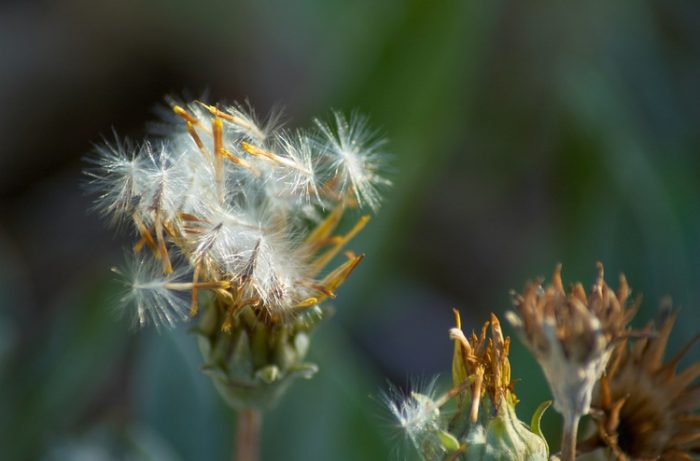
<point>644,408</point>
<point>485,420</point>
<point>571,334</point>
<point>483,362</point>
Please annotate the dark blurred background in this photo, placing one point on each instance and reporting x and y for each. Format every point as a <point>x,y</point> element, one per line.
<point>523,134</point>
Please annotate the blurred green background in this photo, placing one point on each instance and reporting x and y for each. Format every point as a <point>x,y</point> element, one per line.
<point>522,134</point>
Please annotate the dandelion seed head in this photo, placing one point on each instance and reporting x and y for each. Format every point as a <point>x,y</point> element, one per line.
<point>252,211</point>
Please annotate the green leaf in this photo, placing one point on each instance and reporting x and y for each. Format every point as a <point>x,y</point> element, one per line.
<point>536,419</point>
<point>268,374</point>
<point>448,441</point>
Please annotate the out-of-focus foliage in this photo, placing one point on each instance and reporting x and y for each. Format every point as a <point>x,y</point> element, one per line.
<point>523,133</point>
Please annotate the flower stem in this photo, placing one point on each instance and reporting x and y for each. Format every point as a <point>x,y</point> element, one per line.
<point>247,435</point>
<point>568,438</point>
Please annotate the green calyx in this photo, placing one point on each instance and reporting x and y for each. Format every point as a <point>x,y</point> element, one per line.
<point>254,361</point>
<point>497,435</point>
<point>503,437</point>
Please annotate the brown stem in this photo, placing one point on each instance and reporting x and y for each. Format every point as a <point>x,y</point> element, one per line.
<point>568,438</point>
<point>247,435</point>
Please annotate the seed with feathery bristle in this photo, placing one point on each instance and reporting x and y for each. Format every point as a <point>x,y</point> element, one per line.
<point>418,416</point>
<point>150,294</point>
<point>354,157</point>
<point>118,179</point>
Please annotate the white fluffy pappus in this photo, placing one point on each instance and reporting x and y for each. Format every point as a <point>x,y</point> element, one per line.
<point>271,267</point>
<point>154,297</point>
<point>266,260</point>
<point>244,121</point>
<point>117,178</point>
<point>417,414</point>
<point>163,183</point>
<point>235,201</point>
<point>196,192</point>
<point>355,157</point>
<point>299,176</point>
<point>216,236</point>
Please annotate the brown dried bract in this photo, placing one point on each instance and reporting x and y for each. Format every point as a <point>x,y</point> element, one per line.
<point>577,317</point>
<point>645,409</point>
<point>483,362</point>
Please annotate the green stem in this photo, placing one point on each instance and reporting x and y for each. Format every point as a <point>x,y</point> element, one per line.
<point>247,440</point>
<point>568,438</point>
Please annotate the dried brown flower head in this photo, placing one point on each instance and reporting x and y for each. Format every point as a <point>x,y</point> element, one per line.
<point>646,410</point>
<point>483,362</point>
<point>571,334</point>
<point>485,422</point>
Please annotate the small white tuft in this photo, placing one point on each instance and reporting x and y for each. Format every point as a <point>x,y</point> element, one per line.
<point>194,174</point>
<point>163,183</point>
<point>118,179</point>
<point>355,157</point>
<point>218,235</point>
<point>270,267</point>
<point>418,416</point>
<point>150,294</point>
<point>298,175</point>
<point>243,120</point>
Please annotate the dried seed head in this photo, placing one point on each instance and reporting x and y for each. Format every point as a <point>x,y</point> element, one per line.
<point>571,334</point>
<point>225,200</point>
<point>644,408</point>
<point>231,195</point>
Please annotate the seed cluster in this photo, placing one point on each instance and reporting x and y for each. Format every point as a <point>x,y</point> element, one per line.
<point>246,210</point>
